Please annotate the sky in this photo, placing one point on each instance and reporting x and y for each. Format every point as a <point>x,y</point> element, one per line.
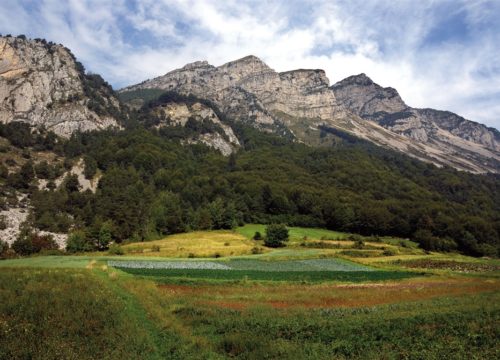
<point>443,54</point>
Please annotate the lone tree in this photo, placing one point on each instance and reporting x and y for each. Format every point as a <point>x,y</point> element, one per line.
<point>257,236</point>
<point>276,235</point>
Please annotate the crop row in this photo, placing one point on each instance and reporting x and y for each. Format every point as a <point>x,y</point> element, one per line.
<point>308,276</point>
<point>247,264</point>
<point>199,265</point>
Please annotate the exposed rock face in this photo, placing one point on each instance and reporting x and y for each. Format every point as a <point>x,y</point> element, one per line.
<point>464,144</point>
<point>362,96</point>
<point>250,91</point>
<point>41,85</point>
<point>218,135</point>
<point>301,103</point>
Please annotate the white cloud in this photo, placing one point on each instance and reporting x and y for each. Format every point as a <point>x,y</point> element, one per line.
<point>385,39</point>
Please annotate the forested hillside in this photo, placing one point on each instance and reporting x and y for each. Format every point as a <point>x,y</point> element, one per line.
<point>152,184</point>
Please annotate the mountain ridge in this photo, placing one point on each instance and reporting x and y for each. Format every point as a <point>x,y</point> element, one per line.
<point>303,100</point>
<point>44,85</point>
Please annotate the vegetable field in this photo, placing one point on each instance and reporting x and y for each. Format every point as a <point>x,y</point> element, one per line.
<point>238,269</point>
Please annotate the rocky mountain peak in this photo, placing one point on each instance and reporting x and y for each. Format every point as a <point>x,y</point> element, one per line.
<point>451,134</point>
<point>41,83</point>
<point>311,79</point>
<point>360,79</point>
<point>197,65</point>
<point>242,68</point>
<point>367,98</point>
<point>300,103</point>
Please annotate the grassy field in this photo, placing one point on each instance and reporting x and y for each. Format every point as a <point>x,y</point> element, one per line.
<point>296,233</point>
<point>194,244</point>
<point>298,302</point>
<point>39,307</point>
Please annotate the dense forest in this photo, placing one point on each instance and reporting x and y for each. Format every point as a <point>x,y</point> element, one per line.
<point>153,185</point>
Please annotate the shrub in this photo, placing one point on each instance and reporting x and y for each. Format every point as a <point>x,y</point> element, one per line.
<point>354,237</point>
<point>257,236</point>
<point>105,235</point>
<point>115,249</point>
<point>256,250</point>
<point>30,242</point>
<point>389,252</point>
<point>359,244</point>
<point>43,242</point>
<point>487,250</point>
<point>78,242</point>
<point>429,242</point>
<point>276,235</point>
<point>3,222</point>
<point>3,247</point>
<point>23,246</point>
<point>90,168</point>
<point>403,243</point>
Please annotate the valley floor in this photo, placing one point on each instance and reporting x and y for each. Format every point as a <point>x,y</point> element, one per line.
<point>285,304</point>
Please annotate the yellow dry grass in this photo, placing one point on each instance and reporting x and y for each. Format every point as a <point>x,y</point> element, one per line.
<point>194,244</point>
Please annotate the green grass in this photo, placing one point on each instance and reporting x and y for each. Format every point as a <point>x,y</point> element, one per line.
<point>99,312</point>
<point>296,233</point>
<point>48,262</point>
<point>302,276</point>
<point>444,328</point>
<point>65,314</point>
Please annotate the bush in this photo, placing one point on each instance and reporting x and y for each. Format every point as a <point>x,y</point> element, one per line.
<point>105,235</point>
<point>256,250</point>
<point>429,242</point>
<point>3,247</point>
<point>115,249</point>
<point>276,235</point>
<point>3,222</point>
<point>257,236</point>
<point>487,250</point>
<point>78,242</point>
<point>359,244</point>
<point>90,167</point>
<point>23,246</point>
<point>389,252</point>
<point>29,242</point>
<point>43,242</point>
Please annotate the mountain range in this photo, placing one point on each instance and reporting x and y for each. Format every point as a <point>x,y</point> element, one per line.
<point>304,103</point>
<point>42,83</point>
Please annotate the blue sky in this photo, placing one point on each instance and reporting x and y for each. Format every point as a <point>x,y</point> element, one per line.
<point>443,54</point>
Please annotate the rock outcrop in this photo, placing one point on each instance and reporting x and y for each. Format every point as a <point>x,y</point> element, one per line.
<point>248,90</point>
<point>302,103</point>
<point>42,84</point>
<point>213,132</point>
<point>458,139</point>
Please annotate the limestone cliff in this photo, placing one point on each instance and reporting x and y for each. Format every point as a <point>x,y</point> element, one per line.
<point>459,139</point>
<point>302,103</point>
<point>210,130</point>
<point>42,84</point>
<point>248,90</point>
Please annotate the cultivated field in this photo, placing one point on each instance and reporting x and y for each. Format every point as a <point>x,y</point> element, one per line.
<point>310,300</point>
<point>194,244</point>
